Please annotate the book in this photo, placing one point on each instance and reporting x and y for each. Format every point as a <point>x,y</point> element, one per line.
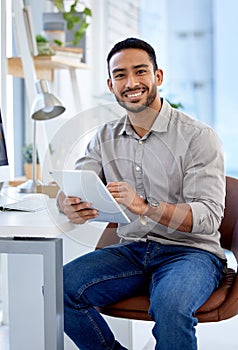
<point>72,54</point>
<point>67,50</point>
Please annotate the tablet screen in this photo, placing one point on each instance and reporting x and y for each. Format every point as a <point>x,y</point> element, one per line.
<point>86,185</point>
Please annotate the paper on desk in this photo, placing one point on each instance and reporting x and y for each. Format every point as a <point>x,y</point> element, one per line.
<point>27,205</point>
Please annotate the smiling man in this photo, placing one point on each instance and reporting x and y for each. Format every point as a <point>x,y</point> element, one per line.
<point>167,170</point>
<point>135,86</point>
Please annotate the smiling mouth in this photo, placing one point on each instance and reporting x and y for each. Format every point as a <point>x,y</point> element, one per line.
<point>134,95</point>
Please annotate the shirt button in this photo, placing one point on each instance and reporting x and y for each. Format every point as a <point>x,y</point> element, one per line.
<point>137,168</point>
<point>140,142</point>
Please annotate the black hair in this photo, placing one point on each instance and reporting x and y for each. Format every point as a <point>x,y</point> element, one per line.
<point>133,43</point>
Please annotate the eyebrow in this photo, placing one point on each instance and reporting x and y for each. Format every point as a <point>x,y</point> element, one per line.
<point>116,70</point>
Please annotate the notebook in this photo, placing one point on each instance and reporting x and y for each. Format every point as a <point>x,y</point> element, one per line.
<point>32,203</point>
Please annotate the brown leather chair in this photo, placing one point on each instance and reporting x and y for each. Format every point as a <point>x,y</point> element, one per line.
<point>223,303</point>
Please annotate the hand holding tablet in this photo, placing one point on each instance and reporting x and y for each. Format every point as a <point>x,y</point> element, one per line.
<point>86,185</point>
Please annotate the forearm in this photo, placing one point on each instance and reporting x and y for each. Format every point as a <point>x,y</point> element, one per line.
<point>175,216</point>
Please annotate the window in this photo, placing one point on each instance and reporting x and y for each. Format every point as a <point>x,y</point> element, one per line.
<point>197,52</point>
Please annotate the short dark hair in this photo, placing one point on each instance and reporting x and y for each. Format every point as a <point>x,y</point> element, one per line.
<point>133,43</point>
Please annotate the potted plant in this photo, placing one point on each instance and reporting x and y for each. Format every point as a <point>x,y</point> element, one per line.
<point>43,46</point>
<point>27,152</point>
<point>76,22</point>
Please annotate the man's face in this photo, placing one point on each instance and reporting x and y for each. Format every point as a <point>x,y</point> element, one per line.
<point>133,80</point>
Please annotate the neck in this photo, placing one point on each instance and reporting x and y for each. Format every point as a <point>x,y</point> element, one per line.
<point>143,121</point>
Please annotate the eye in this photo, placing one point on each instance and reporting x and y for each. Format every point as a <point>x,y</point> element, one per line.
<point>119,76</point>
<point>141,71</point>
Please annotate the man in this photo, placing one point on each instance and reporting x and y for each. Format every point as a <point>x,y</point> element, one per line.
<point>167,170</point>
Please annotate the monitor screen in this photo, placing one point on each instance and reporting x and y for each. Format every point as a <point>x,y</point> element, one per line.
<point>4,165</point>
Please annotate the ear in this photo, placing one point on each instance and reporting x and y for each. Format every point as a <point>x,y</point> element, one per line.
<point>109,84</point>
<point>159,76</point>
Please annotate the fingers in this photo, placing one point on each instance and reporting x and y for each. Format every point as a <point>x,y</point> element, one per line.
<point>118,189</point>
<point>82,216</point>
<point>78,212</point>
<point>124,194</point>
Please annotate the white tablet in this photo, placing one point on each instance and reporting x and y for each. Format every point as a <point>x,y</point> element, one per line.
<point>86,185</point>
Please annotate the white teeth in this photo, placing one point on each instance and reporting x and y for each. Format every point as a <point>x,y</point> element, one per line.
<point>134,95</point>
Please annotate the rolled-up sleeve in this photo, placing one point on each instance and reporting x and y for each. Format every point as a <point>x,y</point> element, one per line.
<point>204,219</point>
<point>204,182</point>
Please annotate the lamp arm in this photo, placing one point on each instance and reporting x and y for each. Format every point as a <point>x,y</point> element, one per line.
<point>34,155</point>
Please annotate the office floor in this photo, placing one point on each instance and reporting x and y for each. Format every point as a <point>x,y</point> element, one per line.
<point>214,336</point>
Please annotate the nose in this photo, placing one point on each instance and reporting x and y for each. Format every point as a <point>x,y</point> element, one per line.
<point>132,81</point>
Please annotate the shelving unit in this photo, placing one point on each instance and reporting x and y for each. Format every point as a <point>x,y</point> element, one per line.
<point>44,66</point>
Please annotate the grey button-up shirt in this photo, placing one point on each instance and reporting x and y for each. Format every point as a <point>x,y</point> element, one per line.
<point>180,160</point>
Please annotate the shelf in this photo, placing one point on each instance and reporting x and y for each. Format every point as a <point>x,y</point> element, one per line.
<point>44,66</point>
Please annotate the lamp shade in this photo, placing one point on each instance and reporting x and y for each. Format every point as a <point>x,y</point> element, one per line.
<point>46,105</point>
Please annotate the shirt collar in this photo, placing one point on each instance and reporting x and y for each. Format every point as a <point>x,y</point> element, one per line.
<point>162,121</point>
<point>125,126</point>
<point>160,124</point>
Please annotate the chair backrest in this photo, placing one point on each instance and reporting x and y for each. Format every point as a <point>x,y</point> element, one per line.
<point>229,224</point>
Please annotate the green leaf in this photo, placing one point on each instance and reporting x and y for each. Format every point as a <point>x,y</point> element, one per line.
<point>73,7</point>
<point>41,39</point>
<point>59,4</point>
<point>58,42</point>
<point>175,105</point>
<point>87,12</point>
<point>72,19</point>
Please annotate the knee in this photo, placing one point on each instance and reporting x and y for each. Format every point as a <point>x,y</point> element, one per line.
<point>69,288</point>
<point>74,275</point>
<point>72,282</point>
<point>76,284</point>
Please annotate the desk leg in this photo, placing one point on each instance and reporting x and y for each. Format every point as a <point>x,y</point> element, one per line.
<point>51,249</point>
<point>53,297</point>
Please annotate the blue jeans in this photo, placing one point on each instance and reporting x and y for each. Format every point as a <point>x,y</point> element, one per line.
<point>179,280</point>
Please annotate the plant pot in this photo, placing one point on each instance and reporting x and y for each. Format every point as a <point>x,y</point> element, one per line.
<point>44,49</point>
<point>28,171</point>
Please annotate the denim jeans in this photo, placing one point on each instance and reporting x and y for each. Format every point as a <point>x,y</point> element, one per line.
<point>179,280</point>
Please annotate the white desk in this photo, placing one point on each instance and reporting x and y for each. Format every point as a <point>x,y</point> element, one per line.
<point>34,234</point>
<point>46,223</point>
<point>25,277</point>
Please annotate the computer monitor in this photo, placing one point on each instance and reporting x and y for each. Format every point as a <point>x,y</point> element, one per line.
<point>4,165</point>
